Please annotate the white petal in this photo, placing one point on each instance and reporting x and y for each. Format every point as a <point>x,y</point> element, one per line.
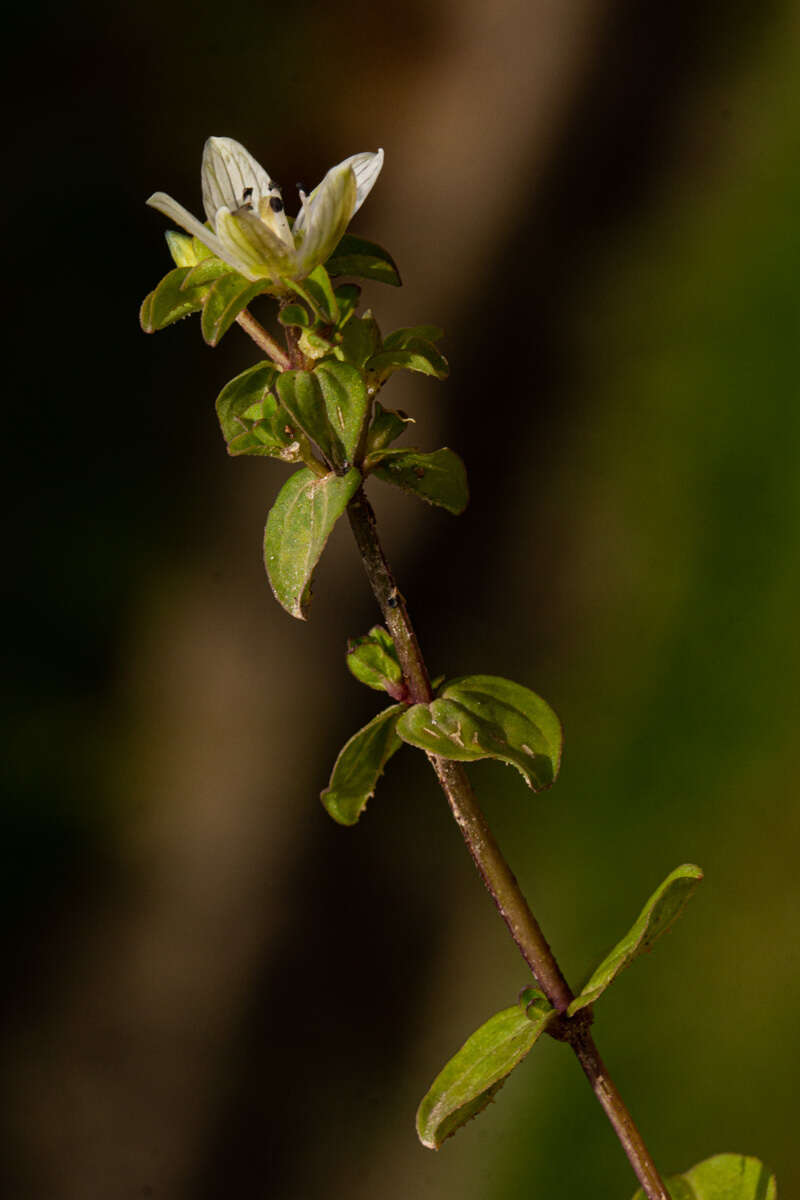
<point>261,253</point>
<point>228,172</point>
<point>325,216</point>
<point>177,213</point>
<point>365,166</point>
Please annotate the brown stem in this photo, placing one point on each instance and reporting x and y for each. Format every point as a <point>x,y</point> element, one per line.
<point>486,854</point>
<point>488,858</point>
<point>263,340</point>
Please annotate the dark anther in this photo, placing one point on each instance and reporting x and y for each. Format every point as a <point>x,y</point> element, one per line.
<point>247,194</point>
<point>276,204</point>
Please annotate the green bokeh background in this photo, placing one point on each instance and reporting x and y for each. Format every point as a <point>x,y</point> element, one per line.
<point>211,990</point>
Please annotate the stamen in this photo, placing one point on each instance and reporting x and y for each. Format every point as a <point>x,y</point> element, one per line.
<point>276,204</point>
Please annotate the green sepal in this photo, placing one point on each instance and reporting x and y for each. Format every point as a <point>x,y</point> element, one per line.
<point>208,270</point>
<point>365,260</point>
<point>660,912</point>
<point>201,250</point>
<point>723,1177</point>
<point>480,1068</point>
<point>416,354</point>
<point>294,314</point>
<point>298,526</point>
<point>360,765</point>
<point>181,248</point>
<point>168,303</point>
<point>251,420</point>
<point>386,427</point>
<point>373,661</point>
<point>359,340</point>
<point>227,297</point>
<point>483,716</point>
<point>438,478</point>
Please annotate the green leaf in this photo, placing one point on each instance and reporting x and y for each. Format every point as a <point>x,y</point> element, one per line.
<point>723,1177</point>
<point>439,478</point>
<point>365,260</point>
<point>359,340</point>
<point>226,299</point>
<point>416,355</point>
<point>360,765</point>
<point>347,297</point>
<point>253,422</point>
<point>301,395</point>
<point>298,526</point>
<point>661,911</point>
<point>294,314</point>
<point>483,716</point>
<point>400,339</point>
<point>386,426</point>
<point>346,402</point>
<point>206,271</point>
<point>472,1077</point>
<point>250,389</point>
<point>373,661</point>
<point>167,302</point>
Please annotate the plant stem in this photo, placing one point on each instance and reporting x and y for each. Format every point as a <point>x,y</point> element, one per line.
<point>489,860</point>
<point>263,340</point>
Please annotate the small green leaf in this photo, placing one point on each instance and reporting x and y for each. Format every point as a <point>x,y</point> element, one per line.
<point>661,911</point>
<point>373,661</point>
<point>365,260</point>
<point>294,314</point>
<point>439,478</point>
<point>386,426</point>
<point>723,1177</point>
<point>416,355</point>
<point>301,395</point>
<point>360,339</point>
<point>167,302</point>
<point>251,388</point>
<point>483,716</point>
<point>400,339</point>
<point>346,402</point>
<point>472,1077</point>
<point>251,420</point>
<point>226,299</point>
<point>360,765</point>
<point>298,526</point>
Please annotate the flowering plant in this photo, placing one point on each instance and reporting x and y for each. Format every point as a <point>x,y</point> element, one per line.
<point>313,401</point>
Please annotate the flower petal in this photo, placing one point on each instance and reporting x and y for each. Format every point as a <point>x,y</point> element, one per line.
<point>324,217</point>
<point>260,253</point>
<point>366,168</point>
<point>233,179</point>
<point>177,213</point>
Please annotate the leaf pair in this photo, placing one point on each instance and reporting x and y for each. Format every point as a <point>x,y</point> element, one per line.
<point>472,1077</point>
<point>478,716</point>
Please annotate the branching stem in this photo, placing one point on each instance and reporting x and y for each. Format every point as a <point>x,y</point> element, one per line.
<point>263,340</point>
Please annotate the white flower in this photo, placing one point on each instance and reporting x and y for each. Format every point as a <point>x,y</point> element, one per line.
<point>244,207</point>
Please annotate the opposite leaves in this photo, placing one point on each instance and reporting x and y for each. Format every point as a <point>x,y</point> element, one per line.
<point>723,1177</point>
<point>661,911</point>
<point>483,716</point>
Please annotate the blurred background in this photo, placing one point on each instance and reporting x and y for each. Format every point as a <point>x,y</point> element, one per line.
<point>209,989</point>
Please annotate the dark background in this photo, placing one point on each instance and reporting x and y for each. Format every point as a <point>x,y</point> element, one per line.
<point>211,990</point>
